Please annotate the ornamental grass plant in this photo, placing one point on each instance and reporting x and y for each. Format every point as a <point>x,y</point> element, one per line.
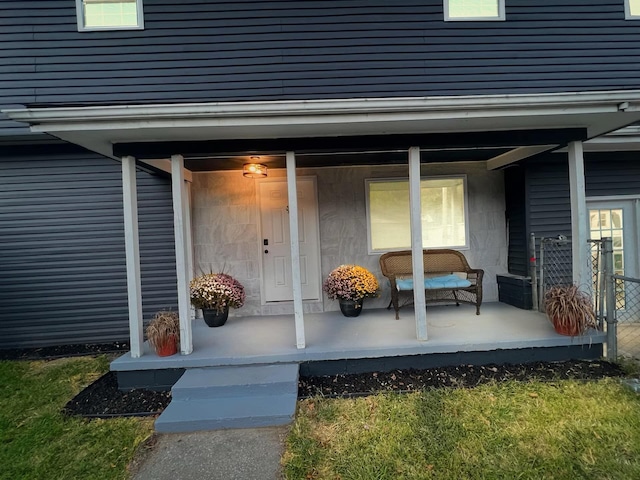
<point>570,310</point>
<point>350,282</point>
<point>216,291</point>
<point>163,332</point>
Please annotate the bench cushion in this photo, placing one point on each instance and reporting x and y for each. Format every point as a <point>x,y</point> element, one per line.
<point>445,281</point>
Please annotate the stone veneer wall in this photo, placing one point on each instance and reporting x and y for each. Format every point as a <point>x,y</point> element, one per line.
<point>225,223</point>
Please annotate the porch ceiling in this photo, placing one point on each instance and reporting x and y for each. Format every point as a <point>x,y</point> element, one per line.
<point>350,150</point>
<point>134,129</point>
<point>337,159</point>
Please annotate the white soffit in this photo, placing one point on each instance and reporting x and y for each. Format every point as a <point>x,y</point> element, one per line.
<point>98,128</point>
<point>625,139</point>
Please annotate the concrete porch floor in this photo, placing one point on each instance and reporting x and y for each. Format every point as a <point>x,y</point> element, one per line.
<point>374,334</point>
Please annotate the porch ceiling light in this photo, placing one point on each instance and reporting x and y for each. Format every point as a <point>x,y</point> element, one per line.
<point>254,170</point>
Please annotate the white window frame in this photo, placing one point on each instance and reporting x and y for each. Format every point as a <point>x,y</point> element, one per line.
<point>499,18</point>
<point>83,28</point>
<point>627,11</point>
<point>465,189</point>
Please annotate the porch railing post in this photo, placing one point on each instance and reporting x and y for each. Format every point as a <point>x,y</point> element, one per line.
<point>610,293</point>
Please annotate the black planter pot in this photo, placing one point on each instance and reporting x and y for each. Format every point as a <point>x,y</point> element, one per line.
<point>350,308</point>
<point>214,318</point>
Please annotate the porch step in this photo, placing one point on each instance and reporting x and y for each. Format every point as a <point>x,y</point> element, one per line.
<point>231,397</point>
<point>203,383</point>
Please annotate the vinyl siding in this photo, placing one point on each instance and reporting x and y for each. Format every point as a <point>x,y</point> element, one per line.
<point>614,173</point>
<point>516,221</point>
<point>62,248</point>
<point>202,50</point>
<point>548,208</point>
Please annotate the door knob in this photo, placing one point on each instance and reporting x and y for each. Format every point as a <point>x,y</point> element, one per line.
<point>266,251</point>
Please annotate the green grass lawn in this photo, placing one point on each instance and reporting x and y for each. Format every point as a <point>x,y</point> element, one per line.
<point>38,442</point>
<point>560,430</point>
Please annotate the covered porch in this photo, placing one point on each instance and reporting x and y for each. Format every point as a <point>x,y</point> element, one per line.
<point>413,134</point>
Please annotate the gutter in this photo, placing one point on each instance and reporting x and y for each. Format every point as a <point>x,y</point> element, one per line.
<point>414,107</point>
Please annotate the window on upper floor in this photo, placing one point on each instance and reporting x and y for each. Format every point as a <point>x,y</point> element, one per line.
<point>109,15</point>
<point>632,9</point>
<point>469,10</point>
<point>444,213</point>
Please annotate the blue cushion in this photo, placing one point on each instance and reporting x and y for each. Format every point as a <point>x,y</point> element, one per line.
<point>445,281</point>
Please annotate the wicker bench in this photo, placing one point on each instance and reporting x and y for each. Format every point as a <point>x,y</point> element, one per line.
<point>448,277</point>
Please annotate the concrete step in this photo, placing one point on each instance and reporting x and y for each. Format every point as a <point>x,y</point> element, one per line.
<point>228,412</point>
<point>202,383</point>
<point>231,397</point>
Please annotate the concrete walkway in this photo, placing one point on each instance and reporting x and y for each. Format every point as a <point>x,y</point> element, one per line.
<point>247,454</point>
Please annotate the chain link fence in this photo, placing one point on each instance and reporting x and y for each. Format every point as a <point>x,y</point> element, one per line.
<point>597,276</point>
<point>627,298</point>
<point>556,269</point>
<point>622,324</point>
<point>555,263</point>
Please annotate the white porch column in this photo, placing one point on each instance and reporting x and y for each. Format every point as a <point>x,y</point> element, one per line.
<point>415,204</point>
<point>579,235</point>
<point>186,203</point>
<point>132,251</point>
<point>187,229</point>
<point>294,235</point>
<point>178,193</point>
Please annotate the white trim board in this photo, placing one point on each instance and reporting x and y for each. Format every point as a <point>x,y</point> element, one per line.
<point>501,15</point>
<point>612,197</point>
<point>98,128</point>
<point>80,4</point>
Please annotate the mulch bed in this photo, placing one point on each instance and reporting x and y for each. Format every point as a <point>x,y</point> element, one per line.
<point>103,399</point>
<point>466,376</point>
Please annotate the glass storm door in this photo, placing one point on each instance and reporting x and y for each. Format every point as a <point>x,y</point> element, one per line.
<point>618,219</point>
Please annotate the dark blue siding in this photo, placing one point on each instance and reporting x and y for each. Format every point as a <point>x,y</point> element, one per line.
<point>549,204</point>
<point>613,173</point>
<point>516,205</point>
<point>546,192</point>
<point>62,248</point>
<point>204,50</point>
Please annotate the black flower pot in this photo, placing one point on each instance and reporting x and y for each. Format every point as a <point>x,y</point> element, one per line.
<point>215,318</point>
<point>350,308</point>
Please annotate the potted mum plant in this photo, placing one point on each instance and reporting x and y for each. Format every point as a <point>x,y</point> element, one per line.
<point>570,310</point>
<point>350,285</point>
<point>163,333</point>
<point>214,293</point>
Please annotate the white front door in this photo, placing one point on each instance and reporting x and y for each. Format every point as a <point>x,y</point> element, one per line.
<point>276,247</point>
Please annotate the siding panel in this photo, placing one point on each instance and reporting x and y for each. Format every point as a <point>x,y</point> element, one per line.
<point>62,249</point>
<point>204,50</point>
<point>614,173</point>
<point>547,187</point>
<point>516,217</point>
